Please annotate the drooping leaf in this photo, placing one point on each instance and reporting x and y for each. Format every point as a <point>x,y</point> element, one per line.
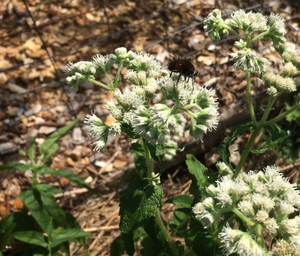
<point>69,175</point>
<point>139,201</point>
<point>117,247</point>
<point>277,137</point>
<point>17,165</point>
<point>203,175</point>
<point>224,146</point>
<point>54,137</point>
<point>32,237</point>
<point>156,234</point>
<point>32,199</point>
<point>128,243</point>
<point>136,148</point>
<point>129,131</point>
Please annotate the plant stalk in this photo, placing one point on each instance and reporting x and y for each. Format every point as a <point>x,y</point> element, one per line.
<point>158,220</point>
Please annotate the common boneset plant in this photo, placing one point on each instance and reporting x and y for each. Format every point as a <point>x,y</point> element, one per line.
<point>253,213</point>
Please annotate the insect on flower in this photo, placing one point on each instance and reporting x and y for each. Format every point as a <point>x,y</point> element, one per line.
<point>184,67</point>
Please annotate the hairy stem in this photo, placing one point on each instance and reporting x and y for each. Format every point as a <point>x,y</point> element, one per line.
<point>253,136</point>
<point>98,83</point>
<point>252,113</point>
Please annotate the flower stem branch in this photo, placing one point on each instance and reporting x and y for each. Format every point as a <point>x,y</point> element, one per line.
<point>276,119</point>
<point>233,31</point>
<point>100,84</point>
<point>242,216</point>
<point>252,113</point>
<point>253,136</point>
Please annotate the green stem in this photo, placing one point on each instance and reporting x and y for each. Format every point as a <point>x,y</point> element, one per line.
<point>242,216</point>
<point>233,31</point>
<point>98,83</point>
<point>193,105</point>
<point>252,113</point>
<point>149,161</point>
<point>117,77</point>
<point>276,119</point>
<point>252,137</point>
<point>110,81</point>
<point>259,239</point>
<point>165,233</point>
<point>259,36</point>
<point>158,220</point>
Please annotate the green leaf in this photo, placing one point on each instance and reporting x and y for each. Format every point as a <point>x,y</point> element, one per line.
<point>32,237</point>
<point>49,230</point>
<point>182,201</point>
<point>22,153</point>
<point>31,153</point>
<point>54,137</point>
<point>136,148</point>
<point>7,226</point>
<point>43,206</point>
<point>49,153</point>
<point>155,152</point>
<point>17,165</point>
<point>128,243</point>
<point>129,131</point>
<point>117,247</point>
<point>203,175</point>
<point>139,201</point>
<point>224,146</point>
<point>276,138</point>
<point>69,175</point>
<point>150,248</point>
<point>68,235</point>
<point>156,234</point>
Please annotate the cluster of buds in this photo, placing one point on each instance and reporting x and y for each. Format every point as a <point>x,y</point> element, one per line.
<point>264,200</point>
<point>256,24</point>
<point>134,110</point>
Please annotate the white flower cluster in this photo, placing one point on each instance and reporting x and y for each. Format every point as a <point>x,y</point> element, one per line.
<point>264,198</point>
<point>254,22</point>
<point>277,83</point>
<point>133,108</point>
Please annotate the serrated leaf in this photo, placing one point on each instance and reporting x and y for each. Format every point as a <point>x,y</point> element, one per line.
<point>203,175</point>
<point>182,201</point>
<point>31,153</point>
<point>117,247</point>
<point>139,201</point>
<point>69,175</point>
<point>276,138</point>
<point>224,146</point>
<point>153,149</point>
<point>136,148</point>
<point>54,137</point>
<point>7,226</point>
<point>32,237</point>
<point>68,235</point>
<point>127,129</point>
<point>156,234</point>
<point>17,165</point>
<point>128,243</point>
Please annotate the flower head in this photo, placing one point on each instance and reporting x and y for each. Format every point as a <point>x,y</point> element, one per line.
<point>214,25</point>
